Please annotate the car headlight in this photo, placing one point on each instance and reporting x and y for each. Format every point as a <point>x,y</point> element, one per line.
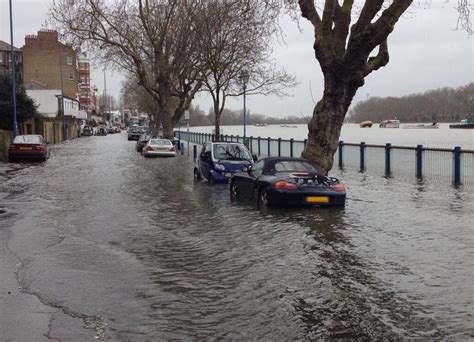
<point>220,167</point>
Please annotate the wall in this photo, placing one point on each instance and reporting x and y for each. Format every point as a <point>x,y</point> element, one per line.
<point>5,140</point>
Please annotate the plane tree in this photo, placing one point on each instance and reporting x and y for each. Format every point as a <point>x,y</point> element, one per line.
<point>236,37</point>
<point>350,43</point>
<point>155,40</point>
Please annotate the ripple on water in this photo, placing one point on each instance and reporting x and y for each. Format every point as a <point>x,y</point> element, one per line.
<point>160,256</point>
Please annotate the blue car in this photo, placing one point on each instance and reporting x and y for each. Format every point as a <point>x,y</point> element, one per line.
<point>218,161</point>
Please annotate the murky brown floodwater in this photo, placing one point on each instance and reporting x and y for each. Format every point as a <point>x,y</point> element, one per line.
<point>138,251</point>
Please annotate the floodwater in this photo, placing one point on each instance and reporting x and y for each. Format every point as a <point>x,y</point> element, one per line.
<point>136,250</point>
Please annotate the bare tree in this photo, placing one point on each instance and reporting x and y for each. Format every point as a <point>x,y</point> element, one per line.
<point>350,42</point>
<point>237,35</point>
<point>152,39</point>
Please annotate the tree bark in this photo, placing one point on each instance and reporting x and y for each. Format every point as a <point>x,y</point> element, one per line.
<point>325,125</point>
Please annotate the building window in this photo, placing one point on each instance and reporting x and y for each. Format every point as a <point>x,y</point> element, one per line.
<point>71,76</point>
<point>69,60</point>
<point>1,56</point>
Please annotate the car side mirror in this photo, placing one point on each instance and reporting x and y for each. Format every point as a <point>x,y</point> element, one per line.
<point>254,157</point>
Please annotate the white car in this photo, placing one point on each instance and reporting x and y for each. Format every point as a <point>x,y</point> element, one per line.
<point>158,148</point>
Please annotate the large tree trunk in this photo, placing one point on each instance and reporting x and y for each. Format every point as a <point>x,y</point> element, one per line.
<point>325,125</point>
<point>165,110</point>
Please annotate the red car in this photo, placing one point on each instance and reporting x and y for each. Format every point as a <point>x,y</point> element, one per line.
<point>28,147</point>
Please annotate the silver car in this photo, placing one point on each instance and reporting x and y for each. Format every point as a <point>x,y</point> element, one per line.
<point>159,148</point>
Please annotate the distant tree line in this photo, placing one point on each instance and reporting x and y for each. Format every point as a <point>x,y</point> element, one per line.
<point>440,105</point>
<point>198,117</point>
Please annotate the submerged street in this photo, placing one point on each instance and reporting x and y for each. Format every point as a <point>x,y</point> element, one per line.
<point>99,242</point>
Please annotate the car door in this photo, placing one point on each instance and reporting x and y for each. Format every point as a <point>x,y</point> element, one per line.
<point>205,160</point>
<point>248,183</point>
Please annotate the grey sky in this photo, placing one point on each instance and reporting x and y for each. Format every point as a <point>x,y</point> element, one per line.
<point>425,53</point>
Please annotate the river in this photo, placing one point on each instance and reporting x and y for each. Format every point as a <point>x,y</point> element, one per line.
<point>443,137</point>
<point>123,248</point>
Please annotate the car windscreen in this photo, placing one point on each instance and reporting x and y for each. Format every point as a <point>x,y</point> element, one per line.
<point>294,166</point>
<point>231,152</point>
<point>28,139</point>
<point>159,142</point>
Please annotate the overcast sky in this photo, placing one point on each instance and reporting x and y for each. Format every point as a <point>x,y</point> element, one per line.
<point>426,52</point>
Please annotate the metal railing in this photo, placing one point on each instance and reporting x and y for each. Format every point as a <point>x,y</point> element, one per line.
<point>436,164</point>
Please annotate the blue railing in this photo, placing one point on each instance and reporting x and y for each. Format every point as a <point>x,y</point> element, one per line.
<point>391,161</point>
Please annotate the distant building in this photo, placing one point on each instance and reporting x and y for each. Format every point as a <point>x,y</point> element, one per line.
<point>44,57</point>
<point>86,96</point>
<point>5,61</point>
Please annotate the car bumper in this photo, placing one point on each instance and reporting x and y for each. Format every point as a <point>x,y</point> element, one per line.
<point>159,153</point>
<point>26,156</point>
<point>221,178</point>
<point>133,137</point>
<point>300,198</point>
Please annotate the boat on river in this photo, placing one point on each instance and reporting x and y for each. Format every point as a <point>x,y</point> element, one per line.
<point>366,124</point>
<point>434,125</point>
<point>394,123</point>
<point>466,123</point>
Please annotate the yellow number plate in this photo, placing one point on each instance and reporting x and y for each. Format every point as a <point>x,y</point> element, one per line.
<point>317,199</point>
<point>25,148</point>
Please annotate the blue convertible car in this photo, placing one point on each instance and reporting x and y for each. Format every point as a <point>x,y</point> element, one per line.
<point>218,161</point>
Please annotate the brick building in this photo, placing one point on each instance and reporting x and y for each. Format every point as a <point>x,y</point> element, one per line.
<point>43,58</point>
<point>5,61</point>
<point>86,96</point>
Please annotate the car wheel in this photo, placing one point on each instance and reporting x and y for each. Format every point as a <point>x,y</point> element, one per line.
<point>234,192</point>
<point>263,198</point>
<point>197,175</point>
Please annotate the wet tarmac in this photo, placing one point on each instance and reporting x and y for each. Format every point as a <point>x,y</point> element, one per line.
<point>99,242</point>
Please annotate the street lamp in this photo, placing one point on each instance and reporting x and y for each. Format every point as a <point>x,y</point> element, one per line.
<point>63,124</point>
<point>244,79</point>
<point>13,62</point>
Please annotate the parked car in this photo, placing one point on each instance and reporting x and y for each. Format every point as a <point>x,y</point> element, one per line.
<point>110,130</point>
<point>87,131</point>
<point>280,181</point>
<point>28,147</point>
<point>135,132</point>
<point>101,131</point>
<point>218,161</point>
<point>159,148</point>
<point>142,141</point>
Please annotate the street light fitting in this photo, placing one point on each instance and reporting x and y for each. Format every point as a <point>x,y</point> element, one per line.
<point>244,77</point>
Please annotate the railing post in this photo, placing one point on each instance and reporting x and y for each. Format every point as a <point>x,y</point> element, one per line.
<point>341,154</point>
<point>231,138</point>
<point>457,165</point>
<point>419,161</point>
<point>258,146</point>
<point>194,151</point>
<point>362,156</point>
<point>279,147</point>
<point>291,147</point>
<point>222,137</point>
<point>226,137</point>
<point>269,141</point>
<point>305,142</point>
<point>182,148</point>
<point>179,145</point>
<point>388,168</point>
<point>251,144</point>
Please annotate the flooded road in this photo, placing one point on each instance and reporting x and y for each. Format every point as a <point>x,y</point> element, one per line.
<point>114,246</point>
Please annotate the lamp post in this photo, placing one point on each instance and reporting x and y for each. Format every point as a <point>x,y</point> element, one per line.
<point>63,125</point>
<point>244,79</point>
<point>12,56</point>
